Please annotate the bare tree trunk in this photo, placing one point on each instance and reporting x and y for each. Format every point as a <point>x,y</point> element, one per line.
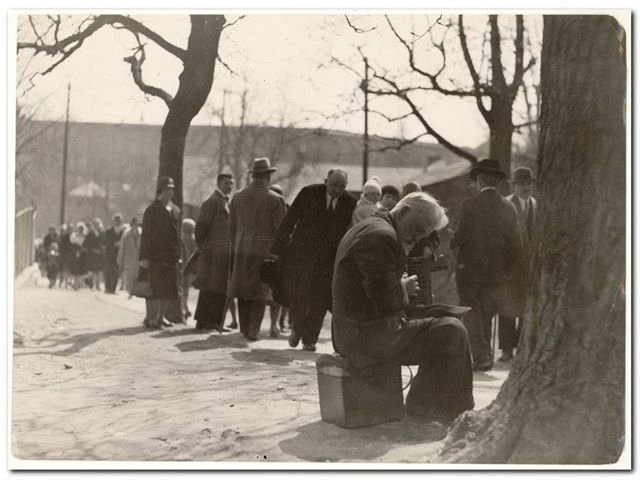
<point>564,399</point>
<point>196,81</point>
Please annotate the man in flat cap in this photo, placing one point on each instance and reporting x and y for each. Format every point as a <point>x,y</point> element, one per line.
<point>489,242</point>
<point>515,288</point>
<point>160,254</point>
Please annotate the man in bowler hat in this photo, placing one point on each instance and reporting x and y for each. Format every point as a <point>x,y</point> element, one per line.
<point>488,239</point>
<point>515,289</point>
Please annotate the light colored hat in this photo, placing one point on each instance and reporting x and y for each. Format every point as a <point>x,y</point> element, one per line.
<point>262,165</point>
<point>372,185</point>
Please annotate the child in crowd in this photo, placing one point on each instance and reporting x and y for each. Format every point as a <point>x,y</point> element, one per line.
<point>368,203</point>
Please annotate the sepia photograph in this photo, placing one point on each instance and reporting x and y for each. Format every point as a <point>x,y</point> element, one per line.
<point>319,240</point>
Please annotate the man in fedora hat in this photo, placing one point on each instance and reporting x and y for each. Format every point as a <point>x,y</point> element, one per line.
<point>515,288</point>
<point>255,213</point>
<point>160,254</point>
<point>488,240</point>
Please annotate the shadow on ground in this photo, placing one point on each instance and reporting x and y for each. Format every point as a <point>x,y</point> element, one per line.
<point>320,441</point>
<point>78,342</point>
<point>234,340</point>
<point>274,357</point>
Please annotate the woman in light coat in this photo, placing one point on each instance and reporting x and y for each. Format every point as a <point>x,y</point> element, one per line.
<point>128,255</point>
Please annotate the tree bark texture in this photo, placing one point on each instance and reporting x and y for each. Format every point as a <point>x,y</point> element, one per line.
<point>564,401</point>
<point>195,85</point>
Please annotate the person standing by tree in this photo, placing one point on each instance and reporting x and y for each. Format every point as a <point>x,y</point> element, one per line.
<point>306,245</point>
<point>112,238</point>
<point>515,288</point>
<point>212,238</point>
<point>255,214</point>
<point>160,254</point>
<point>489,241</point>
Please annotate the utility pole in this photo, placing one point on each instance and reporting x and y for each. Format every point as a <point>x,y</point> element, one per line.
<point>365,154</point>
<point>63,191</point>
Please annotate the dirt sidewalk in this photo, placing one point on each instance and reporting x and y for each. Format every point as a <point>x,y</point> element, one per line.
<point>91,383</point>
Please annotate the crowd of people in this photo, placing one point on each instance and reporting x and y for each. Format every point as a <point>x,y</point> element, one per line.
<point>88,255</point>
<point>327,251</point>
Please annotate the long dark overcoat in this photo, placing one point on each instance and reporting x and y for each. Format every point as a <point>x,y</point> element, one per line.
<point>309,234</point>
<point>212,237</point>
<point>367,295</point>
<point>488,237</point>
<point>255,214</point>
<point>160,245</point>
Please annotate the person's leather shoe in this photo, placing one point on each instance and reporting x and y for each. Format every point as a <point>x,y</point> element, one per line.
<point>166,323</point>
<point>294,339</point>
<point>483,365</point>
<point>507,356</point>
<point>309,348</point>
<point>273,332</point>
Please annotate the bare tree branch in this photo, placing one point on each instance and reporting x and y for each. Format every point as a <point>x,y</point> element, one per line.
<point>432,77</point>
<point>59,46</point>
<point>226,66</point>
<point>391,119</point>
<point>399,93</point>
<point>472,71</point>
<point>136,72</point>
<point>231,24</point>
<point>398,144</point>
<point>356,29</point>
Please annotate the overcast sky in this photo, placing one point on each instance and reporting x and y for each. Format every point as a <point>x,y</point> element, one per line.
<point>284,63</point>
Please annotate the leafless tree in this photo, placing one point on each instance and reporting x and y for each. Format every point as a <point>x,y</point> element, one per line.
<point>564,400</point>
<point>58,38</point>
<point>493,93</point>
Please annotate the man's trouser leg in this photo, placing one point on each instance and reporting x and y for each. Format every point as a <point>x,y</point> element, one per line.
<point>258,308</point>
<point>474,321</point>
<point>298,300</point>
<point>244,315</point>
<point>318,290</point>
<point>442,387</point>
<point>507,334</point>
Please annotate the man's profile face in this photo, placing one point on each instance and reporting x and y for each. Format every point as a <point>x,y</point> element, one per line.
<point>336,184</point>
<point>226,185</point>
<point>523,189</point>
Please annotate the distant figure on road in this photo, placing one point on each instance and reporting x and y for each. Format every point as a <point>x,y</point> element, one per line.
<point>306,245</point>
<point>214,242</point>
<point>128,255</point>
<point>112,238</point>
<point>255,215</point>
<point>78,256</point>
<point>160,253</point>
<point>188,246</point>
<point>94,246</point>
<point>489,243</point>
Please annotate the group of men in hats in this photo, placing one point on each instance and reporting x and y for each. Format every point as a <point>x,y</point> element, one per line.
<point>493,239</point>
<point>356,272</point>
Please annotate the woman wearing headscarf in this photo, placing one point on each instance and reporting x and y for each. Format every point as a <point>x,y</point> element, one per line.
<point>77,257</point>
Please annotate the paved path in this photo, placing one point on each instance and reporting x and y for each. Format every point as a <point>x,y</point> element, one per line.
<point>90,383</point>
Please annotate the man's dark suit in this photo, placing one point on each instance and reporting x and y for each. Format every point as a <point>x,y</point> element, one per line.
<point>306,243</point>
<point>489,241</point>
